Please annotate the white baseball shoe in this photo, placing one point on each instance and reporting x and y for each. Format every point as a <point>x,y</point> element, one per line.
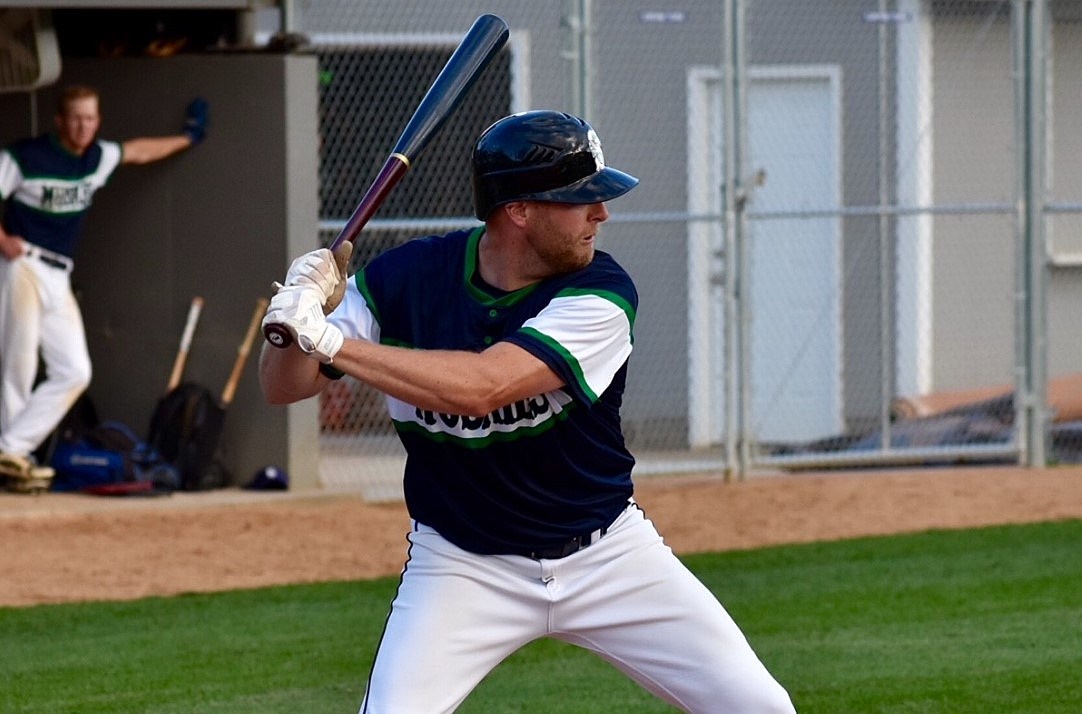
<point>24,475</point>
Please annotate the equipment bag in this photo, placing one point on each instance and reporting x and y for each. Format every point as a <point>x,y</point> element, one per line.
<point>110,459</point>
<point>185,430</point>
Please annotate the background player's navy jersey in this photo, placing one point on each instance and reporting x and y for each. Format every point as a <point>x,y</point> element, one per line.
<point>49,189</point>
<point>536,472</point>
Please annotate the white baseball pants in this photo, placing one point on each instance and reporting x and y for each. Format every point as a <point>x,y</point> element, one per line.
<point>38,310</point>
<point>627,598</point>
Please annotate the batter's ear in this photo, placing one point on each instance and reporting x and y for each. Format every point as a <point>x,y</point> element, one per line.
<point>516,212</point>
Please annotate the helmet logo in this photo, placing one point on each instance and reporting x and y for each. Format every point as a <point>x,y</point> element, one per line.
<point>595,148</point>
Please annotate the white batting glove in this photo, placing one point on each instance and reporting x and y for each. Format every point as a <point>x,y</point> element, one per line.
<point>299,308</point>
<point>323,270</point>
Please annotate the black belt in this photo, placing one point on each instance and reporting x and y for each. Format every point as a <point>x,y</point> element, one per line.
<point>53,261</point>
<point>574,545</point>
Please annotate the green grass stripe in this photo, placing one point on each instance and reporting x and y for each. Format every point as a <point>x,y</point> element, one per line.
<point>985,620</point>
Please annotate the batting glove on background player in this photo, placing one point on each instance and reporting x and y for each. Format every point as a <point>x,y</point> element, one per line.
<point>195,126</point>
<point>324,271</point>
<point>299,308</point>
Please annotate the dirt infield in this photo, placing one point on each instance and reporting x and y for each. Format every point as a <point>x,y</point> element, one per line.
<point>65,548</point>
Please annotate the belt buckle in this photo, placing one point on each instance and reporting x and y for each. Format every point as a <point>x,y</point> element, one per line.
<point>572,546</point>
<point>569,547</point>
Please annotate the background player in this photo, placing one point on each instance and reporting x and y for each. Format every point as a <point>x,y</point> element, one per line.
<point>503,353</point>
<point>47,183</point>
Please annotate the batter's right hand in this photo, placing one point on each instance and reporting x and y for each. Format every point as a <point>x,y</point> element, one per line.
<point>324,271</point>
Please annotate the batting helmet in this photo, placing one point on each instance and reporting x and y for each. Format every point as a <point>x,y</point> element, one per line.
<point>268,478</point>
<point>542,156</point>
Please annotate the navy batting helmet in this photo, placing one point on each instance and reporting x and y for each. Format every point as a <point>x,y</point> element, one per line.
<point>269,478</point>
<point>542,156</point>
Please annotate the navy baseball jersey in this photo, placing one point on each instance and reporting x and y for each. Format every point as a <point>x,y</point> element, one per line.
<point>48,189</point>
<point>534,473</point>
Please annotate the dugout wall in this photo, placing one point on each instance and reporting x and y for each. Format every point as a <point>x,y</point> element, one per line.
<point>222,220</point>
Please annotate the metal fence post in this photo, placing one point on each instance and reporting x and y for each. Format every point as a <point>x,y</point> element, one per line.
<point>737,375</point>
<point>578,52</point>
<point>1031,413</point>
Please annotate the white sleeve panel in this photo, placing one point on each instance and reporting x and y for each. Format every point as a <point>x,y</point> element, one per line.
<point>593,334</point>
<point>10,175</point>
<point>111,156</point>
<point>353,317</point>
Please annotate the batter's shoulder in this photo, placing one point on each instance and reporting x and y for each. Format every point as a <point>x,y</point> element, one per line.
<point>429,247</point>
<point>604,263</point>
<point>420,260</point>
<point>604,274</point>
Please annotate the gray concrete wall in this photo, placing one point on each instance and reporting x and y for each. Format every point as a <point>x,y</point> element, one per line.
<point>973,256</point>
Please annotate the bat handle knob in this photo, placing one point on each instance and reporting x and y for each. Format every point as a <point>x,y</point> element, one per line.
<point>277,335</point>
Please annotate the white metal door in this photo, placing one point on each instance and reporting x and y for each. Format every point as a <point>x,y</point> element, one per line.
<point>794,287</point>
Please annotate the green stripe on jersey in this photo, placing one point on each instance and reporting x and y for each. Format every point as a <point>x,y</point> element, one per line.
<point>615,298</point>
<point>569,358</point>
<point>362,287</point>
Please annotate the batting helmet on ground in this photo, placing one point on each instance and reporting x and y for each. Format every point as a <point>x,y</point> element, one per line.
<point>542,156</point>
<point>268,478</point>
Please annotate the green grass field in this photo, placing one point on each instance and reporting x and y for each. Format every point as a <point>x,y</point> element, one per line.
<point>985,620</point>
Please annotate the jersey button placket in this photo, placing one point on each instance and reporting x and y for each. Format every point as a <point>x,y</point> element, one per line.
<point>493,314</point>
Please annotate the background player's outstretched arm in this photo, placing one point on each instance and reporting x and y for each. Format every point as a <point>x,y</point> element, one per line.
<point>145,150</point>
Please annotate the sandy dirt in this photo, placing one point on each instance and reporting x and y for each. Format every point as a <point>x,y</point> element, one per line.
<point>63,547</point>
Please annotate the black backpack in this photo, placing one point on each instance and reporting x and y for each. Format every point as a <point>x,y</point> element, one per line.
<point>185,429</point>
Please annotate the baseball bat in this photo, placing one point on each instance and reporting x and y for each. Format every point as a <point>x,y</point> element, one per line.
<point>480,44</point>
<point>185,343</point>
<point>230,389</point>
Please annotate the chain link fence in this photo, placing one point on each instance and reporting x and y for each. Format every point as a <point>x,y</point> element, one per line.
<point>829,238</point>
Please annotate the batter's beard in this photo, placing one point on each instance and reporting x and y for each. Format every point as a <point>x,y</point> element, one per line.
<point>569,260</point>
<point>561,254</point>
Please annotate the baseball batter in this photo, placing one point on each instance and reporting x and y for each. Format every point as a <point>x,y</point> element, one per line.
<point>503,352</point>
<point>47,183</point>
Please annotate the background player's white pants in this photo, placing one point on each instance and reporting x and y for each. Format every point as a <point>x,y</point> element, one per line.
<point>37,308</point>
<point>627,597</point>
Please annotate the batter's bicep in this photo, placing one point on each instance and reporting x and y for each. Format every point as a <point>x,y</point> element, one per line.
<point>517,374</point>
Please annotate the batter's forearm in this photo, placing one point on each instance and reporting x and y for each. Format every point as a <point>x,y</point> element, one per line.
<point>448,381</point>
<point>288,375</point>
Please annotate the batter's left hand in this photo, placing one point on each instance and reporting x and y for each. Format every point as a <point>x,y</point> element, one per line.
<point>299,308</point>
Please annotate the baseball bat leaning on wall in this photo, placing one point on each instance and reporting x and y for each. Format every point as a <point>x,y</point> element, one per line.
<point>185,343</point>
<point>230,389</point>
<point>476,50</point>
